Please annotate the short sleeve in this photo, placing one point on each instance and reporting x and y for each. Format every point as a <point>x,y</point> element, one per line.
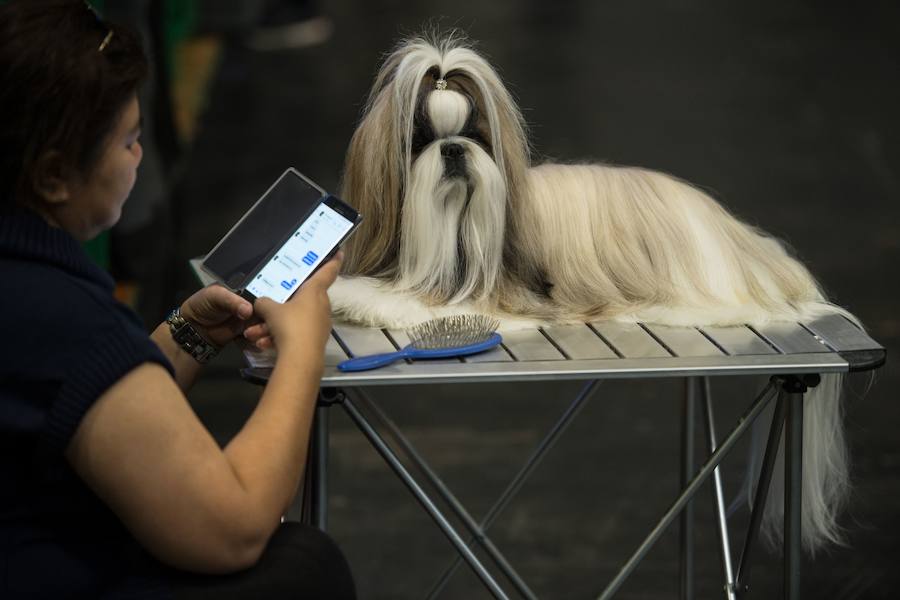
<point>106,357</point>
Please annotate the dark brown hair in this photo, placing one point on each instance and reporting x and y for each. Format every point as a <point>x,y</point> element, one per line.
<point>58,90</point>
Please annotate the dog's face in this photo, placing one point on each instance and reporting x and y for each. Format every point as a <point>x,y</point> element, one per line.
<point>434,166</point>
<point>450,114</point>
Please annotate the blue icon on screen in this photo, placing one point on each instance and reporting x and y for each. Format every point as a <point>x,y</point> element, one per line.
<point>310,258</point>
<point>288,284</point>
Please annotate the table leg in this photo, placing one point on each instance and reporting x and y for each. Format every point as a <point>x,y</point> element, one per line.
<point>718,493</point>
<point>320,489</point>
<point>742,580</point>
<point>312,506</point>
<point>793,451</point>
<point>301,508</point>
<point>686,556</point>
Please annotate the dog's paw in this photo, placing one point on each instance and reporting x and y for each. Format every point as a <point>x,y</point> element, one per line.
<point>373,303</point>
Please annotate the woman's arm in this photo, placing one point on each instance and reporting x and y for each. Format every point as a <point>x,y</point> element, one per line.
<point>190,503</point>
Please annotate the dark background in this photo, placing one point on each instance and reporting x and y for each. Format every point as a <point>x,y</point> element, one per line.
<point>785,111</point>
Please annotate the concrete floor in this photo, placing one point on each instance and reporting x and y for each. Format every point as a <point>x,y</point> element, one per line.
<point>787,112</point>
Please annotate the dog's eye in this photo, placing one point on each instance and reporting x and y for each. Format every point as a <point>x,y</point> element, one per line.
<point>474,134</point>
<point>471,130</point>
<point>472,121</point>
<point>422,136</point>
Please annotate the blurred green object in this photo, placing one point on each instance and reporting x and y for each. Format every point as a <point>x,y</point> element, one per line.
<point>98,249</point>
<point>180,16</point>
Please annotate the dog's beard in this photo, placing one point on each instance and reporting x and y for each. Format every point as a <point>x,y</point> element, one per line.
<point>453,219</point>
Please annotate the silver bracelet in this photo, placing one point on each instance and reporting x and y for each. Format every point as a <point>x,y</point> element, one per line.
<point>184,334</point>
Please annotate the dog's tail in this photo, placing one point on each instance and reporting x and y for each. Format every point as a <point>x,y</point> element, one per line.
<point>825,484</point>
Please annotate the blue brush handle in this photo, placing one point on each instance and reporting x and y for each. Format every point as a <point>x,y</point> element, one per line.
<point>364,363</point>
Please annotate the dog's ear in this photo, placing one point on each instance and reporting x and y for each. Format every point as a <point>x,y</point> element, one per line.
<point>371,183</point>
<point>378,162</point>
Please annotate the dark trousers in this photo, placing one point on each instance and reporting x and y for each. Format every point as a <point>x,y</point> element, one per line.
<point>299,562</point>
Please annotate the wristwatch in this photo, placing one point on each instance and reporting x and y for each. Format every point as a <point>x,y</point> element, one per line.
<point>184,334</point>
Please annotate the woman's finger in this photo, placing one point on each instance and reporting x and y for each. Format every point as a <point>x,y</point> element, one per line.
<point>227,301</point>
<point>215,303</point>
<point>264,306</point>
<point>255,332</point>
<point>327,273</point>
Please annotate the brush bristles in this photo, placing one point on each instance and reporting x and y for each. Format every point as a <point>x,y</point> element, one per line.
<point>452,332</point>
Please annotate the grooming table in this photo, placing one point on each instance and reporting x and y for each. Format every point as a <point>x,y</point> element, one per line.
<point>792,355</point>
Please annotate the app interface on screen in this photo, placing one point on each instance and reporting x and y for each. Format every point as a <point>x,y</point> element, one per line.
<point>297,258</point>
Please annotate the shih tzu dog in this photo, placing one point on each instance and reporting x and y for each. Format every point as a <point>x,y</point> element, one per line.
<point>457,219</point>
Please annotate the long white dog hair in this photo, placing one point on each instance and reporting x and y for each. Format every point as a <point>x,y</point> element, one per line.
<point>457,219</point>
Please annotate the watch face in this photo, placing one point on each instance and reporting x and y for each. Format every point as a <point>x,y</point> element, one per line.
<point>184,334</point>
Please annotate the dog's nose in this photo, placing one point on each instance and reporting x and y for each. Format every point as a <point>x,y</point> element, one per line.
<point>452,150</point>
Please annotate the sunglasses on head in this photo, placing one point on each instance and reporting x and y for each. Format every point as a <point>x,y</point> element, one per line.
<point>102,24</point>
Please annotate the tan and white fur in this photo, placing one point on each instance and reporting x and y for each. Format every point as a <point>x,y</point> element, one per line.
<point>457,220</point>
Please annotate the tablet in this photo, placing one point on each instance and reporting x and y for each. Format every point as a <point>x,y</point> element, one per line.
<point>285,236</point>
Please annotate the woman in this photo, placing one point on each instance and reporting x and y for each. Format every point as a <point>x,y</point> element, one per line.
<point>110,484</point>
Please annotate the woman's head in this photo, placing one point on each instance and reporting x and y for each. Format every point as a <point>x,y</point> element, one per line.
<point>68,83</point>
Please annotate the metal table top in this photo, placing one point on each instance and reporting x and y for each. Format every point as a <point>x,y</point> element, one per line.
<point>609,349</point>
<point>602,350</point>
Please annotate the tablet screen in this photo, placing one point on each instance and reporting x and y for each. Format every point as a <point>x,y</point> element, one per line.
<point>263,228</point>
<point>301,254</point>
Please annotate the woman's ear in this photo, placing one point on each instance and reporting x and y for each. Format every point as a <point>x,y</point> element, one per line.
<point>51,179</point>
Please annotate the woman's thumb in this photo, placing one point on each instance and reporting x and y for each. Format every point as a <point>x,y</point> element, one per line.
<point>263,307</point>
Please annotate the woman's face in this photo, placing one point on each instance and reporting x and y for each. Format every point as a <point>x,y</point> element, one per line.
<point>95,203</point>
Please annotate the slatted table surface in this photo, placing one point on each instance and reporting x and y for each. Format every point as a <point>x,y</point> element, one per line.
<point>609,349</point>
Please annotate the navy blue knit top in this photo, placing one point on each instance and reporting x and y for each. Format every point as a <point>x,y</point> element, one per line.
<point>65,341</point>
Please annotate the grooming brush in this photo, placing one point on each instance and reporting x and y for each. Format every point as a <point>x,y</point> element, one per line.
<point>458,335</point>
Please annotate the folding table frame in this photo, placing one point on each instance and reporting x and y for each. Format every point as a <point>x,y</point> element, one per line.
<point>793,355</point>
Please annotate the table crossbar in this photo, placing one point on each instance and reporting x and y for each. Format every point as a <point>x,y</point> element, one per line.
<point>690,490</point>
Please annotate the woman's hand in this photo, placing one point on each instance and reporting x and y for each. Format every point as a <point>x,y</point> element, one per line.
<point>305,319</point>
<point>219,314</point>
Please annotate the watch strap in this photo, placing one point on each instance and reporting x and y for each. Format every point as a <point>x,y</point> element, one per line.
<point>190,340</point>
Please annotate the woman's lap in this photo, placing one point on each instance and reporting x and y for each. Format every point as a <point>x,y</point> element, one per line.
<point>299,562</point>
